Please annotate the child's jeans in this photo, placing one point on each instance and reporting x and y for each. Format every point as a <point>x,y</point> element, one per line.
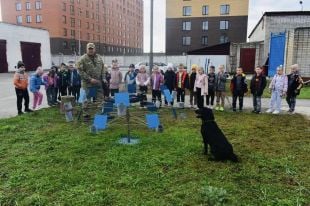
<point>291,101</point>
<point>276,98</point>
<point>37,99</point>
<point>240,95</point>
<point>257,103</point>
<point>220,95</point>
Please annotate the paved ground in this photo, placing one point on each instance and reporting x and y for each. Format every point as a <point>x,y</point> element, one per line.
<point>8,99</point>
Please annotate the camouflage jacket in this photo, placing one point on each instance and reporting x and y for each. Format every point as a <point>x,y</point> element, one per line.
<point>91,69</point>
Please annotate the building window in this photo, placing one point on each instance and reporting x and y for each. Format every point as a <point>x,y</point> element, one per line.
<point>92,27</point>
<point>19,19</point>
<point>205,25</point>
<point>28,19</point>
<point>205,10</point>
<point>225,9</point>
<point>186,40</point>
<point>204,40</point>
<point>18,6</point>
<point>38,18</point>
<point>87,25</point>
<point>88,36</point>
<point>64,6</point>
<point>187,10</point>
<point>87,14</point>
<point>65,32</point>
<point>72,22</point>
<point>187,25</point>
<point>28,6</point>
<point>64,19</point>
<point>71,9</point>
<point>224,25</point>
<point>38,5</point>
<point>73,33</point>
<point>223,39</point>
<point>72,1</point>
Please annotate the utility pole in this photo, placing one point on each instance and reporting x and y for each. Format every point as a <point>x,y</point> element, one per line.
<point>151,38</point>
<point>301,4</point>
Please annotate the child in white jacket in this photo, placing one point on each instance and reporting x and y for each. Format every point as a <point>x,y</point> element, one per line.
<point>201,87</point>
<point>143,81</point>
<point>278,89</point>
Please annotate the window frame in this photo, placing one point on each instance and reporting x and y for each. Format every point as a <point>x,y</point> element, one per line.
<point>186,40</point>
<point>185,12</point>
<point>18,6</point>
<point>226,24</point>
<point>185,24</point>
<point>225,9</point>
<point>203,40</point>
<point>204,10</point>
<point>203,26</point>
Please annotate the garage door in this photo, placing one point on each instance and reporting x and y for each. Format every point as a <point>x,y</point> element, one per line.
<point>247,60</point>
<point>3,59</point>
<point>31,55</point>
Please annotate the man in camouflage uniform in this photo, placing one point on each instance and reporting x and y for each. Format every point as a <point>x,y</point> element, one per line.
<point>92,71</point>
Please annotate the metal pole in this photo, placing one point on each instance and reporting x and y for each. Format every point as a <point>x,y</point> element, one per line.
<point>151,37</point>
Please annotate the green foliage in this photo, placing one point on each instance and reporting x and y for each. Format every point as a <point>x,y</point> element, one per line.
<point>46,161</point>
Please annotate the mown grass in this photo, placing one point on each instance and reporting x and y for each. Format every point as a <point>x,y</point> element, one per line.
<point>46,161</point>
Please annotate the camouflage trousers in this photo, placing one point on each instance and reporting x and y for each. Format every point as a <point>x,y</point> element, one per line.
<point>94,97</point>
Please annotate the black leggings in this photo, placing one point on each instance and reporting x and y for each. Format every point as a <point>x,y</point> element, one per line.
<point>211,94</point>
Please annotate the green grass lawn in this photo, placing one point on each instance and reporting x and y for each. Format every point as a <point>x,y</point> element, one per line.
<point>46,161</point>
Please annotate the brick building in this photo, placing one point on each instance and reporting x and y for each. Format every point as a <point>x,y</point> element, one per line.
<point>116,27</point>
<point>295,26</point>
<point>194,24</point>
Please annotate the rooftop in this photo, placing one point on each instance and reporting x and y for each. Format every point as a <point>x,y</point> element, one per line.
<point>280,13</point>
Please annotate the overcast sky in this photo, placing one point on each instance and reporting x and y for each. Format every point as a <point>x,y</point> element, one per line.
<point>256,10</point>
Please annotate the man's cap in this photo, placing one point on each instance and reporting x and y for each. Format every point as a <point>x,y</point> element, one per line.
<point>91,46</point>
<point>131,66</point>
<point>20,64</point>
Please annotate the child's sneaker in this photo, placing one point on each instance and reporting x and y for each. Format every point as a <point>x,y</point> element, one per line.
<point>221,109</point>
<point>269,111</point>
<point>276,112</point>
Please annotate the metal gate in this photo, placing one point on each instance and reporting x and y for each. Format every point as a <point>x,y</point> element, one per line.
<point>247,60</point>
<point>277,52</point>
<point>31,55</point>
<point>3,58</point>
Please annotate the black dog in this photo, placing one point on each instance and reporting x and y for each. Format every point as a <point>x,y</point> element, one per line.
<point>212,135</point>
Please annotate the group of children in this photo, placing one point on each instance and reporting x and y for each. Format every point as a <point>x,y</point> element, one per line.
<point>200,86</point>
<point>57,83</point>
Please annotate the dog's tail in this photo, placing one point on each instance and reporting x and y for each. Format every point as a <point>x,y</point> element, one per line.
<point>234,158</point>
